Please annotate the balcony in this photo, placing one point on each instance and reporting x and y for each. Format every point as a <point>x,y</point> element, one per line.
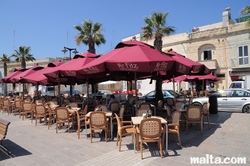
<point>211,64</point>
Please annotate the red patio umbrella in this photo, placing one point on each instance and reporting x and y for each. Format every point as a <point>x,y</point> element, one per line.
<point>132,59</point>
<point>38,78</point>
<point>16,72</point>
<point>197,68</point>
<point>68,69</point>
<point>203,77</point>
<point>18,77</point>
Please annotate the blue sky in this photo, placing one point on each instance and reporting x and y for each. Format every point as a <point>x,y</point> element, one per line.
<point>48,25</point>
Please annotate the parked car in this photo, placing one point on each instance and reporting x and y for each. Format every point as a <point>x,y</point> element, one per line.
<point>150,97</point>
<point>232,100</point>
<point>74,92</point>
<point>101,94</point>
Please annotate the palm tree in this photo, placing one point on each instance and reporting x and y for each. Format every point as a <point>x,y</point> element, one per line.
<point>156,26</point>
<point>23,55</point>
<point>90,34</point>
<point>5,59</point>
<point>246,11</point>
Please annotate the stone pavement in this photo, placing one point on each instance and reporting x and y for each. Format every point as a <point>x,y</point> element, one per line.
<point>36,145</point>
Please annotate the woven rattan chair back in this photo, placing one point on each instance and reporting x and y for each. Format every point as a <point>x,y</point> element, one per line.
<point>101,107</point>
<point>7,105</point>
<point>170,102</point>
<point>121,112</point>
<point>62,113</point>
<point>40,110</point>
<point>17,105</point>
<point>194,113</point>
<point>27,106</point>
<point>138,102</point>
<point>28,98</point>
<point>98,119</point>
<point>205,108</point>
<point>150,128</point>
<point>115,107</point>
<point>168,110</point>
<point>73,104</point>
<point>141,111</point>
<point>39,102</point>
<point>145,105</point>
<point>176,117</point>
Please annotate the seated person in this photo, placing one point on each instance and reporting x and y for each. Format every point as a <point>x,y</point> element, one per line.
<point>112,99</point>
<point>131,99</point>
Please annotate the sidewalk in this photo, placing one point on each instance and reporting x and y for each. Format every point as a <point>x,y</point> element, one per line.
<point>36,145</point>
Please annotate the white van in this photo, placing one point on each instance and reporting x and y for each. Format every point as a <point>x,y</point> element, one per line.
<point>47,90</point>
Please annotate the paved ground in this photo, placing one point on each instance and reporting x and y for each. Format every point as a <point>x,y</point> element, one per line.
<point>36,145</point>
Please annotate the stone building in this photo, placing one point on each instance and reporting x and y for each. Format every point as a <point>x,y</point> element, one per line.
<point>223,47</point>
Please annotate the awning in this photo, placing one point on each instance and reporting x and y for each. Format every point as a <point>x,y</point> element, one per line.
<point>234,78</point>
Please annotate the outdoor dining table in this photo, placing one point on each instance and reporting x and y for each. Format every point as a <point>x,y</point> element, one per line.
<point>108,114</point>
<point>137,121</point>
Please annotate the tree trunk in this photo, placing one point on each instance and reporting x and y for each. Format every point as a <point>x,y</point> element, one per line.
<point>158,84</point>
<point>23,63</point>
<point>94,87</point>
<point>5,74</point>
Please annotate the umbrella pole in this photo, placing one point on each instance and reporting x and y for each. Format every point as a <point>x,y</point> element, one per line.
<point>174,90</point>
<point>87,91</point>
<point>135,87</point>
<point>203,85</point>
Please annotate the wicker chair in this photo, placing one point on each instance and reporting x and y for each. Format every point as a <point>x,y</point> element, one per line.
<point>98,121</point>
<point>205,113</point>
<point>170,102</point>
<point>168,113</point>
<point>40,112</point>
<point>101,107</point>
<point>138,102</point>
<point>141,111</point>
<point>51,116</point>
<point>115,107</point>
<point>7,106</point>
<point>194,115</point>
<point>81,119</point>
<point>174,126</point>
<point>123,130</point>
<point>145,105</point>
<point>159,107</point>
<point>26,109</point>
<point>121,115</point>
<point>62,116</point>
<point>73,104</point>
<point>28,98</point>
<point>17,107</point>
<point>150,130</point>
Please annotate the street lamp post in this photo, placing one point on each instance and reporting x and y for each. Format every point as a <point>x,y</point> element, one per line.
<point>65,49</point>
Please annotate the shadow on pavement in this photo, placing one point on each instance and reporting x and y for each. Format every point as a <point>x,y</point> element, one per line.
<point>193,138</point>
<point>14,150</point>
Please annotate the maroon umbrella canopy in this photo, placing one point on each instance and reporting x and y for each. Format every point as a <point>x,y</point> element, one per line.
<point>193,78</point>
<point>18,77</point>
<point>131,59</point>
<point>196,67</point>
<point>65,73</point>
<point>203,77</point>
<point>16,72</point>
<point>38,78</point>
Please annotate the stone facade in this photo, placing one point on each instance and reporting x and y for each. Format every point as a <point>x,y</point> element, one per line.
<point>215,45</point>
